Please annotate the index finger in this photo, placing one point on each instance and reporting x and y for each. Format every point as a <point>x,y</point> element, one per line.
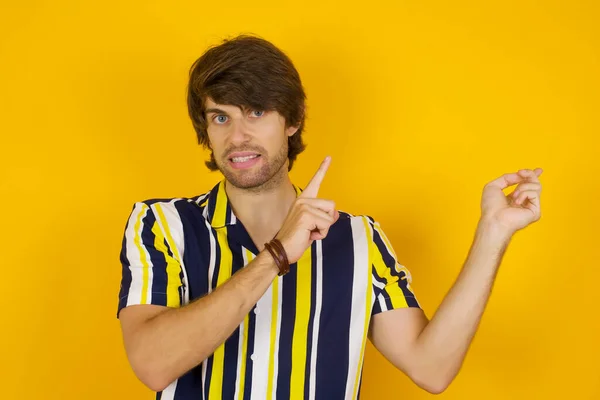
<point>505,181</point>
<point>312,189</point>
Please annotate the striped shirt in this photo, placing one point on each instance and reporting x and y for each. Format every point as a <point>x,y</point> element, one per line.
<point>306,336</point>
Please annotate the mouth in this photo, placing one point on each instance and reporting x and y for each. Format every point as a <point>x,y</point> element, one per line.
<point>243,160</point>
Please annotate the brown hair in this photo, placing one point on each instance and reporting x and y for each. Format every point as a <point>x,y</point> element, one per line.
<point>248,72</point>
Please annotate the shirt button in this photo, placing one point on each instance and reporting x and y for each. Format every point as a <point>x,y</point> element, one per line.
<point>256,310</point>
<point>253,357</point>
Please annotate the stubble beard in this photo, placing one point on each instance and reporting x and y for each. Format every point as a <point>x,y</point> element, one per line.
<point>270,175</point>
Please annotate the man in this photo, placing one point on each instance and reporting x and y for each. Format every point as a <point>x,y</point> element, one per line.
<point>258,289</point>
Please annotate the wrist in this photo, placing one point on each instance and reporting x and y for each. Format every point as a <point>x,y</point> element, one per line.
<point>267,263</point>
<point>279,255</point>
<point>490,230</point>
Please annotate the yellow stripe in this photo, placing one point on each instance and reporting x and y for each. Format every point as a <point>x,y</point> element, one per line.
<point>137,239</point>
<point>173,264</point>
<point>399,267</point>
<point>220,215</point>
<point>303,297</point>
<point>274,309</point>
<point>385,240</point>
<point>173,281</point>
<point>216,380</point>
<point>367,305</point>
<point>394,291</point>
<point>242,377</point>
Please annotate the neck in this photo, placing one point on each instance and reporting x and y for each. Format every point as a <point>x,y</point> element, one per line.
<point>262,210</point>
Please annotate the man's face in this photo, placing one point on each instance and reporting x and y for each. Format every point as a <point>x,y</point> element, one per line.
<point>250,146</point>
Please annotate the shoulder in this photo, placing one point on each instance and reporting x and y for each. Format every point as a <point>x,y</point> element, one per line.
<point>171,207</point>
<point>357,218</point>
<point>358,225</point>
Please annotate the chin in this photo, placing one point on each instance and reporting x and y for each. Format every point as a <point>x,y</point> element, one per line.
<point>262,179</point>
<point>245,179</point>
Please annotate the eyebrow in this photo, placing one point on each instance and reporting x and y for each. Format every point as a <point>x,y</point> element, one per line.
<point>214,110</point>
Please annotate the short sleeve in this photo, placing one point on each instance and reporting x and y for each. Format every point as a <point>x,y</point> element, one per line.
<point>391,280</point>
<point>151,272</point>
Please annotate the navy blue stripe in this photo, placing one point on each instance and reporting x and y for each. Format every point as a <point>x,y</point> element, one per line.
<point>150,202</point>
<point>215,277</point>
<point>157,260</point>
<point>196,256</point>
<point>286,331</point>
<point>240,234</point>
<point>125,264</point>
<point>189,386</point>
<point>158,395</point>
<point>311,320</point>
<point>249,352</point>
<point>388,258</point>
<point>336,307</point>
<point>386,298</point>
<point>390,262</point>
<point>212,202</point>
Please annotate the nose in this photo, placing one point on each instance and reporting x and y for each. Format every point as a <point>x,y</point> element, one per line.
<point>239,132</point>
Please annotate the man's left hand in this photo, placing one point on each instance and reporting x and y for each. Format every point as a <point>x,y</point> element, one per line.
<point>518,209</point>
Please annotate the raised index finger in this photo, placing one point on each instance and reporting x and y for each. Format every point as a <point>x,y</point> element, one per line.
<point>312,189</point>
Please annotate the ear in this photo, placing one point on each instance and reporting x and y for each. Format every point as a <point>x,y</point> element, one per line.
<point>291,130</point>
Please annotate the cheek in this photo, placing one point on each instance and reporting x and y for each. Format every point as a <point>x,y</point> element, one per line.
<point>213,139</point>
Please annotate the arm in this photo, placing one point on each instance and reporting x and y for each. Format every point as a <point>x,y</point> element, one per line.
<point>163,343</point>
<point>432,352</point>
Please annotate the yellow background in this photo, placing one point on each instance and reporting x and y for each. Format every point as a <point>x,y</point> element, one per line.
<point>419,103</point>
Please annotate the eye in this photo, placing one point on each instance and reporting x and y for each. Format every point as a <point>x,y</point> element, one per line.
<point>257,113</point>
<point>220,119</point>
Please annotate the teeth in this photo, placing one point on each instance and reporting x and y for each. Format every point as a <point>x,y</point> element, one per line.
<point>242,159</point>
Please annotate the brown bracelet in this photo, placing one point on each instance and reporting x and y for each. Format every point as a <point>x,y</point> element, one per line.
<point>279,255</point>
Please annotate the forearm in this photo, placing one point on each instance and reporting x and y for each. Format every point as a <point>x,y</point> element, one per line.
<point>176,340</point>
<point>444,342</point>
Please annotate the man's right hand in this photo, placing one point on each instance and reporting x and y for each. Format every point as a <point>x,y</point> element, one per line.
<point>309,218</point>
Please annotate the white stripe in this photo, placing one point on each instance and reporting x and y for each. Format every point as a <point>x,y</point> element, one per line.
<point>201,198</point>
<point>382,303</point>
<point>134,294</point>
<point>379,285</point>
<point>262,345</point>
<point>239,361</point>
<point>175,227</point>
<point>169,392</point>
<point>359,297</point>
<point>316,319</point>
<point>278,330</point>
<point>213,255</point>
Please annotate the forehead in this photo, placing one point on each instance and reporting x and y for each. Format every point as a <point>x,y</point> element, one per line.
<point>209,103</point>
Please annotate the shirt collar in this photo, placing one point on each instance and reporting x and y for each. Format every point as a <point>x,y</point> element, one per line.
<point>219,211</point>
